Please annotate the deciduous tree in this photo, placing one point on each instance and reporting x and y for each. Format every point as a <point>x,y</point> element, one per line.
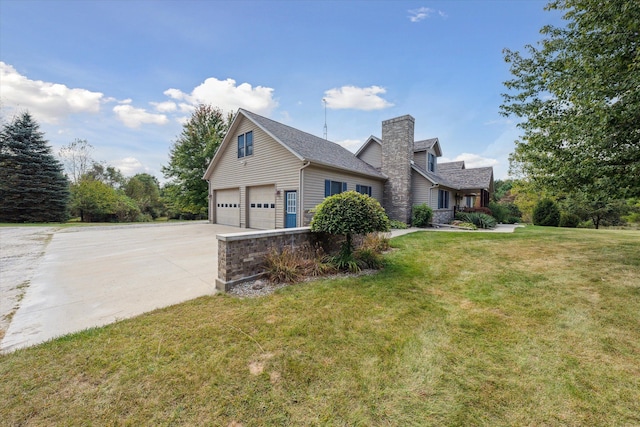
<point>190,156</point>
<point>578,93</point>
<point>33,187</point>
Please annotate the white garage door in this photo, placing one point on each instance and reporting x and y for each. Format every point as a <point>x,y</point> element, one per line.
<point>228,207</point>
<point>262,207</point>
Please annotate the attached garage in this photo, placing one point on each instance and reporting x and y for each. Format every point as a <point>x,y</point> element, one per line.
<point>262,207</point>
<point>228,207</point>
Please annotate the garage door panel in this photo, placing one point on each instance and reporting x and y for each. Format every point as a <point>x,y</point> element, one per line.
<point>262,207</point>
<point>228,207</point>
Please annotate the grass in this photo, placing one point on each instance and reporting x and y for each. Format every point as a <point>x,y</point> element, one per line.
<point>539,327</point>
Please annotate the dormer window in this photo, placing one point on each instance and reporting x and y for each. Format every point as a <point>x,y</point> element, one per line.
<point>245,144</point>
<point>431,162</point>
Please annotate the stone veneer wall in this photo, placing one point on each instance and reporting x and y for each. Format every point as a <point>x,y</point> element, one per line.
<point>442,216</point>
<point>397,154</point>
<point>241,255</point>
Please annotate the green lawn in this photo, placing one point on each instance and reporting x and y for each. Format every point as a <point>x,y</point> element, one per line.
<point>540,327</point>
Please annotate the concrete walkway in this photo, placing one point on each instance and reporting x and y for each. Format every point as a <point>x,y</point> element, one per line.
<point>92,276</point>
<point>500,228</point>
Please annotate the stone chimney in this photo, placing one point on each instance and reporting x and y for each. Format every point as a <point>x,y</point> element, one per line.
<point>397,154</point>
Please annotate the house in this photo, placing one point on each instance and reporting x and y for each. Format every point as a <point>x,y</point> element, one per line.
<point>269,175</point>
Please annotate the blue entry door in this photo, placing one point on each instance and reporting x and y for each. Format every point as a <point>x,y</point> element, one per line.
<point>291,209</point>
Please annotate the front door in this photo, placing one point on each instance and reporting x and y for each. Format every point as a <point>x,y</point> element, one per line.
<point>291,209</point>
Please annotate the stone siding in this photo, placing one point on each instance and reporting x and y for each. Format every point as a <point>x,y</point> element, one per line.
<point>241,255</point>
<point>397,154</point>
<point>442,216</point>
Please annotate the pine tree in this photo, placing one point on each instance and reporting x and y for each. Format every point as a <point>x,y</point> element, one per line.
<point>33,187</point>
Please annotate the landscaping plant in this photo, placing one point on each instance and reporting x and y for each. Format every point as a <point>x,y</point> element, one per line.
<point>546,213</point>
<point>421,215</point>
<point>349,213</point>
<point>480,220</point>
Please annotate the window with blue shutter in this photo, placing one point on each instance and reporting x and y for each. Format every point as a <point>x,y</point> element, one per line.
<point>334,187</point>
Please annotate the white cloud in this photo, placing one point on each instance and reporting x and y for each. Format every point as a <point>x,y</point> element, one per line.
<point>350,144</point>
<point>165,107</point>
<point>358,98</point>
<point>417,15</point>
<point>471,160</point>
<point>49,102</point>
<point>134,117</point>
<point>130,166</point>
<point>225,95</point>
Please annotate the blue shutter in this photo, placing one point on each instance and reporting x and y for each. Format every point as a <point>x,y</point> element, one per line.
<point>240,146</point>
<point>249,143</point>
<point>358,188</point>
<point>344,186</point>
<point>327,188</point>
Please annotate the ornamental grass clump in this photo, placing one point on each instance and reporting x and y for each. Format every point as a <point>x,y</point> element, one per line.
<point>480,220</point>
<point>347,214</point>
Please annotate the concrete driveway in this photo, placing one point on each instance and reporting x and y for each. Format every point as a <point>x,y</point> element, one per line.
<point>92,276</point>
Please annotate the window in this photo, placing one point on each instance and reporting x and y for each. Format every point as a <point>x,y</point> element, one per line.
<point>469,201</point>
<point>443,199</point>
<point>333,187</point>
<point>245,144</point>
<point>431,163</point>
<point>364,189</point>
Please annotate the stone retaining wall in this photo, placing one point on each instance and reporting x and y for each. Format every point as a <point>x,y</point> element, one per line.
<point>241,255</point>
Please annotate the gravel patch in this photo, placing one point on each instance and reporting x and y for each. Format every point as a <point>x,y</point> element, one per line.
<point>21,249</point>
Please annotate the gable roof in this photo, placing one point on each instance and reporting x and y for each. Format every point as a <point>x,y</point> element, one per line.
<point>368,142</point>
<point>428,144</point>
<point>303,145</point>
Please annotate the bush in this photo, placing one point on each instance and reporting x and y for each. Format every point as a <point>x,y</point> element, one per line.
<point>546,213</point>
<point>397,225</point>
<point>569,220</point>
<point>505,213</point>
<point>421,215</point>
<point>377,242</point>
<point>349,213</point>
<point>480,220</point>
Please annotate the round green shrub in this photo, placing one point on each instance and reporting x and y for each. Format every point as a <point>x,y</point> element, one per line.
<point>569,220</point>
<point>421,215</point>
<point>546,213</point>
<point>347,214</point>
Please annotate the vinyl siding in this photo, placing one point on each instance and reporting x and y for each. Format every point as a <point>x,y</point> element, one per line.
<point>270,163</point>
<point>420,189</point>
<point>372,154</point>
<point>313,182</point>
<point>420,159</point>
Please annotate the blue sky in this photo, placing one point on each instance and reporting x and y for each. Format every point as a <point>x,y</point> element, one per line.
<point>124,75</point>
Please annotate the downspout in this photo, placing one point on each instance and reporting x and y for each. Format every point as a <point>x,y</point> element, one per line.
<point>300,220</point>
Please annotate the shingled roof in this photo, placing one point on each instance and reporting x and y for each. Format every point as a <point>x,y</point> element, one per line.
<point>451,166</point>
<point>469,178</point>
<point>312,148</point>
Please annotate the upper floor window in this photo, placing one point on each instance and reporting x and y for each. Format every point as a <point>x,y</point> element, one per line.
<point>443,199</point>
<point>245,144</point>
<point>363,189</point>
<point>333,187</point>
<point>431,163</point>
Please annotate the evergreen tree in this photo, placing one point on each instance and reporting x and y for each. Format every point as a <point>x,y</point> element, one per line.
<point>33,187</point>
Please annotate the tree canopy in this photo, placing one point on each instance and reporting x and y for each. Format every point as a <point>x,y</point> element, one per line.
<point>33,187</point>
<point>578,93</point>
<point>189,158</point>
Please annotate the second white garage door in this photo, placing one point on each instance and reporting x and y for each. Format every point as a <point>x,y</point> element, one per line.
<point>228,207</point>
<point>262,207</point>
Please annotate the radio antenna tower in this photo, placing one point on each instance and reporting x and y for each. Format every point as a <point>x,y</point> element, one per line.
<point>325,117</point>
